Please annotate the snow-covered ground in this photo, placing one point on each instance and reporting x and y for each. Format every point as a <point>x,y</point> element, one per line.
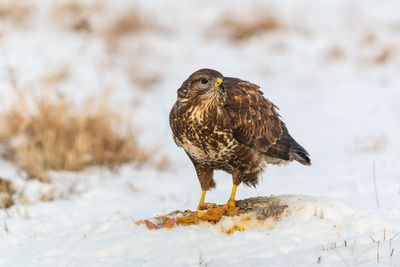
<point>332,67</point>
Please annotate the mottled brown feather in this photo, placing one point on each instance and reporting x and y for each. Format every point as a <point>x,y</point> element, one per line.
<point>232,128</point>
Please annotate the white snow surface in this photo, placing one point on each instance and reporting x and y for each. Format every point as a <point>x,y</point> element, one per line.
<point>343,109</point>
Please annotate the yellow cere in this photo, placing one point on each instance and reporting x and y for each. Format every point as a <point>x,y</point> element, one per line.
<point>219,81</point>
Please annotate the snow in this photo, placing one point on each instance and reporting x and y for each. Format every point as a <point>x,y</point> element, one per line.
<point>337,108</point>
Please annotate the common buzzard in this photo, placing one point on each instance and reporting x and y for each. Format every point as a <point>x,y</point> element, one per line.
<point>225,123</point>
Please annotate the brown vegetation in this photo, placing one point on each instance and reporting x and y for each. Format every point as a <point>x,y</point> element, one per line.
<point>16,11</point>
<point>380,52</point>
<point>128,23</point>
<point>384,55</point>
<point>239,28</point>
<point>335,53</point>
<point>6,193</point>
<point>372,144</point>
<point>57,135</point>
<point>75,15</point>
<point>370,39</point>
<point>57,76</point>
<point>93,18</point>
<point>143,79</point>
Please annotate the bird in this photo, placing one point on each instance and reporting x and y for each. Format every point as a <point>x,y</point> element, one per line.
<point>226,123</point>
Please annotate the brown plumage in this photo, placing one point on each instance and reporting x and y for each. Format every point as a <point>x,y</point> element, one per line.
<point>225,123</point>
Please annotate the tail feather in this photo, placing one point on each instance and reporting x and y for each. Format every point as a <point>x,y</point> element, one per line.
<point>287,149</point>
<point>298,153</point>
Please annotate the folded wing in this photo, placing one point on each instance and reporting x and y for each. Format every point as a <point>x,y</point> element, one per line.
<point>256,123</point>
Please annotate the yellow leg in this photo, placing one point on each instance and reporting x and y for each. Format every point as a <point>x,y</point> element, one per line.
<point>203,195</point>
<point>231,201</point>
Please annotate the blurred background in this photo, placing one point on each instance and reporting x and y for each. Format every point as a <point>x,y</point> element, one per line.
<point>90,83</point>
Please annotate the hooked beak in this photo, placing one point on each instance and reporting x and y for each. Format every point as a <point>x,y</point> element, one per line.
<point>219,84</point>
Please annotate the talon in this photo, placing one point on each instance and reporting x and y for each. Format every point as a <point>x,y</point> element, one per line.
<point>231,204</point>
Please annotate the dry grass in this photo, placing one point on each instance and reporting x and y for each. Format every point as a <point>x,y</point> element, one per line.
<point>353,253</point>
<point>128,23</point>
<point>377,51</point>
<point>57,76</point>
<point>94,18</point>
<point>78,16</point>
<point>143,79</point>
<point>384,55</point>
<point>335,53</point>
<point>380,143</point>
<point>16,11</point>
<point>56,135</point>
<point>6,193</point>
<point>239,28</point>
<point>75,15</point>
<point>372,144</point>
<point>370,39</point>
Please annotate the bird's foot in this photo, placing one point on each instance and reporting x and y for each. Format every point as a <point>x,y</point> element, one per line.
<point>231,209</point>
<point>231,204</point>
<point>210,212</point>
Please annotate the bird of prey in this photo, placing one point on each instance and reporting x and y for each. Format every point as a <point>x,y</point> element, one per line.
<point>225,123</point>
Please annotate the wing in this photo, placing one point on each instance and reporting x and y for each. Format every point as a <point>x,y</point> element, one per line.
<point>177,124</point>
<point>256,123</point>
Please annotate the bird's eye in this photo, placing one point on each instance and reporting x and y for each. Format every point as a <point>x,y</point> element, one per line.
<point>203,80</point>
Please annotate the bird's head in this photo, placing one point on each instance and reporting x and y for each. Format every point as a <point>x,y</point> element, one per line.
<point>202,83</point>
